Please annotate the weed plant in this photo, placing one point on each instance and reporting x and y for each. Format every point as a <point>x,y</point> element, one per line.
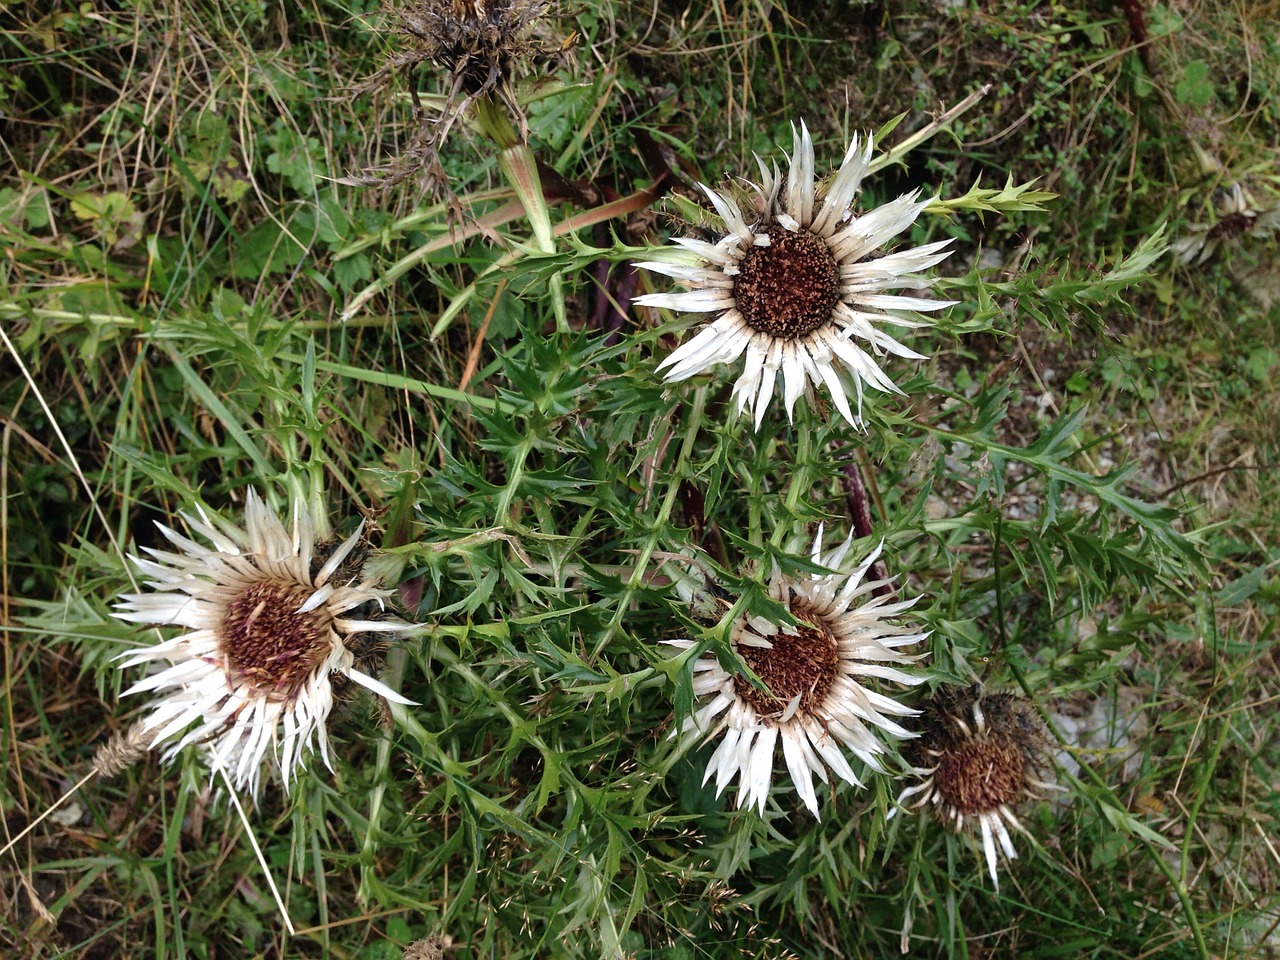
<point>205,291</point>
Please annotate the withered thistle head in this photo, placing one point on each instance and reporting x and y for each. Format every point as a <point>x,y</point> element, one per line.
<point>428,948</point>
<point>978,757</point>
<point>482,47</point>
<point>480,43</point>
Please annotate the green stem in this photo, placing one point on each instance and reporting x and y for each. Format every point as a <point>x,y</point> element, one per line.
<point>397,660</point>
<point>520,168</point>
<point>896,153</point>
<point>1202,789</point>
<point>756,495</point>
<point>1184,898</point>
<point>395,381</point>
<point>513,481</point>
<point>802,477</point>
<point>637,578</point>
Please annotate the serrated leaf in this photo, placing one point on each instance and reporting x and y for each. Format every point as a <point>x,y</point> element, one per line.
<point>1242,588</point>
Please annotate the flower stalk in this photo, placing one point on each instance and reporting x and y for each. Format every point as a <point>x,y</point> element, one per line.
<point>519,167</point>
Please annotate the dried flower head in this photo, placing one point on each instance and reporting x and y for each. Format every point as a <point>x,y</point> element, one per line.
<point>812,674</point>
<point>482,46</point>
<point>979,756</point>
<point>478,42</point>
<point>267,632</point>
<point>800,287</point>
<point>428,948</point>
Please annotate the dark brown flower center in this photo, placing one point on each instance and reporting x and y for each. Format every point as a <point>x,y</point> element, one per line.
<point>978,776</point>
<point>268,643</point>
<point>1232,225</point>
<point>806,663</point>
<point>789,288</point>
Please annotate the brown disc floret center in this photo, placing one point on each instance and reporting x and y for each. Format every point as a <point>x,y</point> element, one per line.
<point>980,776</point>
<point>268,643</point>
<point>804,663</point>
<point>1232,225</point>
<point>790,287</point>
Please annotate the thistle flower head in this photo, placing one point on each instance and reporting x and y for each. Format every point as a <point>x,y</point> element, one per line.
<point>268,626</point>
<point>978,758</point>
<point>1239,214</point>
<point>478,42</point>
<point>815,693</point>
<point>481,47</point>
<point>800,287</point>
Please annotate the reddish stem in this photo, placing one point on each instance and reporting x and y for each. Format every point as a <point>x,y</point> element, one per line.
<point>860,511</point>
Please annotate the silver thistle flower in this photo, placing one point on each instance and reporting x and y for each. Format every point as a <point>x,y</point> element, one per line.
<point>264,637</point>
<point>800,288</point>
<point>978,758</point>
<point>815,701</point>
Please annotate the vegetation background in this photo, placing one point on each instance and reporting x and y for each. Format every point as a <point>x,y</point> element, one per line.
<point>1083,484</point>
